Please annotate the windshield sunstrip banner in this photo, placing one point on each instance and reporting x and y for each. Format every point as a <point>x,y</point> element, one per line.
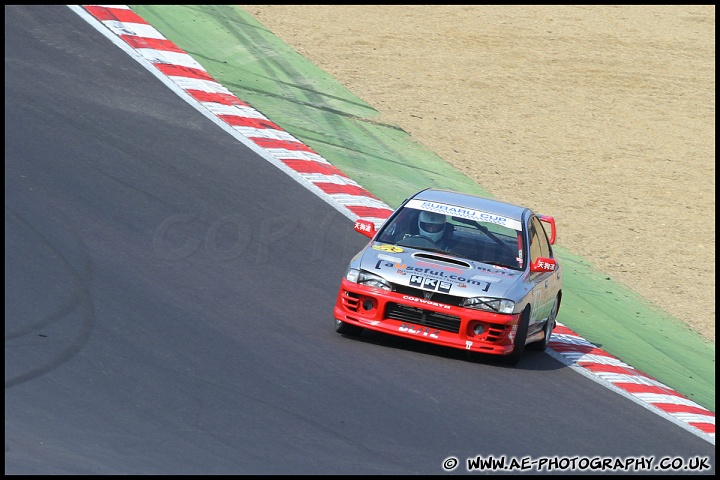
<point>470,214</point>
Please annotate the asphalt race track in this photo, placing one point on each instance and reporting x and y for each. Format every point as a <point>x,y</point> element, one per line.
<point>168,301</point>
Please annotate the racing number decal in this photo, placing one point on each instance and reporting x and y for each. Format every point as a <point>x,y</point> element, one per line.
<point>388,248</point>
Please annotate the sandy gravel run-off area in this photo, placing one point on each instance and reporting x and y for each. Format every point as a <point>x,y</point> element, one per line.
<point>602,116</point>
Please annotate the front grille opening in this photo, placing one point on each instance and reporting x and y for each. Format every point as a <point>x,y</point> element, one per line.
<point>351,300</point>
<point>420,316</point>
<point>496,332</point>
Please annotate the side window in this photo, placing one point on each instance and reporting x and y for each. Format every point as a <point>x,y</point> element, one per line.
<point>404,223</point>
<point>539,244</point>
<point>534,243</point>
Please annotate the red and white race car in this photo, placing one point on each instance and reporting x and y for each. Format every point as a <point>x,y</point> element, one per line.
<point>457,270</point>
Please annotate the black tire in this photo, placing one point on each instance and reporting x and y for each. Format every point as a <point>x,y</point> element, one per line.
<point>347,329</point>
<point>542,345</point>
<point>520,337</point>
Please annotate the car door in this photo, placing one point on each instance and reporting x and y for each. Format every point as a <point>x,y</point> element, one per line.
<point>543,283</point>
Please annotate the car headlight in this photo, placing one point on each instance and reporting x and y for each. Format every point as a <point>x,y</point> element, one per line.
<point>352,275</point>
<point>361,277</point>
<point>499,305</point>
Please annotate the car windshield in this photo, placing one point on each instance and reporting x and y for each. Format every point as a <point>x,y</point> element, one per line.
<point>479,241</point>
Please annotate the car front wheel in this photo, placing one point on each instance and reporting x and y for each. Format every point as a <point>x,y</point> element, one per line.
<point>520,337</point>
<point>347,329</point>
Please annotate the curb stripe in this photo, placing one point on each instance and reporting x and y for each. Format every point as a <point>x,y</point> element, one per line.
<point>205,86</point>
<point>673,408</point>
<point>167,58</point>
<point>256,134</point>
<point>637,385</point>
<point>221,98</point>
<point>259,123</point>
<point>282,153</point>
<point>122,14</point>
<point>364,212</point>
<point>295,146</point>
<point>151,43</point>
<point>304,166</point>
<point>332,188</point>
<point>183,71</point>
<point>239,111</point>
<point>335,187</point>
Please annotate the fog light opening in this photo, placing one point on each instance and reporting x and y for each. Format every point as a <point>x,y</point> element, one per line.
<point>478,329</point>
<point>367,305</point>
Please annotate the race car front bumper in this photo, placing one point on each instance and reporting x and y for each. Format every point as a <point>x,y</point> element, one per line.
<point>426,320</point>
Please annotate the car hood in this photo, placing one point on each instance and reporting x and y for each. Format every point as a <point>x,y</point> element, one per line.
<point>436,272</point>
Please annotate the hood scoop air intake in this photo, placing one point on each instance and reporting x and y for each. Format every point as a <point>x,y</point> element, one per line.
<point>441,259</point>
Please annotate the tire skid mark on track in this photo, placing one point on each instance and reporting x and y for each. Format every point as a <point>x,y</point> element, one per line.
<point>176,68</point>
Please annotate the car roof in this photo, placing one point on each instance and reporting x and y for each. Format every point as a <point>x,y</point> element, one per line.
<point>475,202</point>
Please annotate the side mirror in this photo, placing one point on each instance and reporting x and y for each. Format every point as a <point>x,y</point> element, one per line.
<point>553,230</point>
<point>543,264</point>
<point>366,227</point>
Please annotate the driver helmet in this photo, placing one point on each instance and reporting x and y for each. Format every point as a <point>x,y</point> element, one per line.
<point>431,225</point>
